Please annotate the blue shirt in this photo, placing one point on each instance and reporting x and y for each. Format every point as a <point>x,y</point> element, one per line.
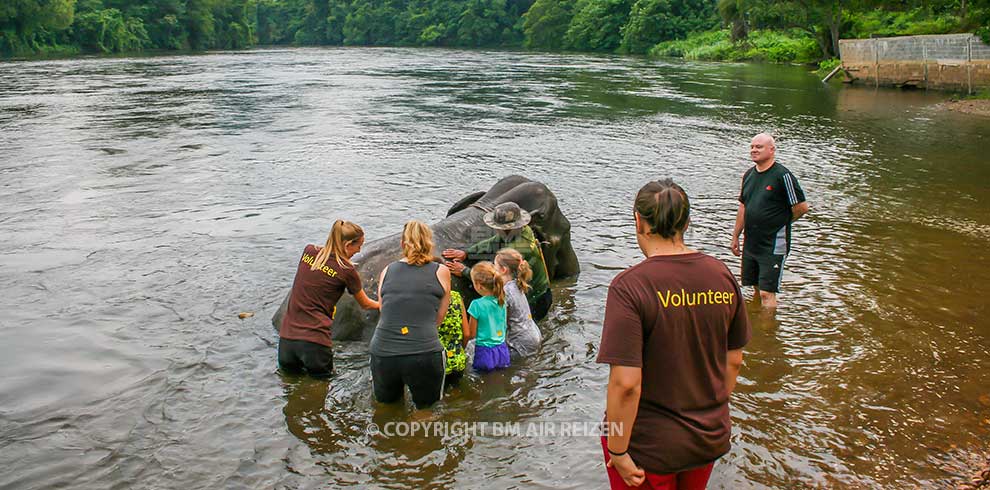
<point>491,321</point>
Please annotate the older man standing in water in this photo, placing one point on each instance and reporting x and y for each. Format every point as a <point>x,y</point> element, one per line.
<point>769,201</point>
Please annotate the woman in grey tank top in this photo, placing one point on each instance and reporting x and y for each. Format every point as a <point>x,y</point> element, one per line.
<point>405,349</point>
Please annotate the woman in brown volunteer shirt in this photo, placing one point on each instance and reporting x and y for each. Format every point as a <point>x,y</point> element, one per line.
<point>323,274</point>
<point>675,326</point>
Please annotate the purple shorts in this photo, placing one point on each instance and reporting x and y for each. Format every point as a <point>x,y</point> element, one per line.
<point>491,358</point>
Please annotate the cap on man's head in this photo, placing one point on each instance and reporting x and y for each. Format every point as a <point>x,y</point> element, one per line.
<point>507,216</point>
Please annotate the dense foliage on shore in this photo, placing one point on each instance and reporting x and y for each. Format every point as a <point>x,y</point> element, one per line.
<point>771,30</point>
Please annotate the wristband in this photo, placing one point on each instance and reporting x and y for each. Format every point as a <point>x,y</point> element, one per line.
<point>613,453</point>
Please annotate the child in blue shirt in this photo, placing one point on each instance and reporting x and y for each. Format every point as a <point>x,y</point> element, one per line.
<point>486,318</point>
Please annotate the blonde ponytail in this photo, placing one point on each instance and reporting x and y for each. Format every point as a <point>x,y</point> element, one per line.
<point>499,285</point>
<point>484,274</point>
<point>512,260</point>
<point>342,234</point>
<point>417,243</point>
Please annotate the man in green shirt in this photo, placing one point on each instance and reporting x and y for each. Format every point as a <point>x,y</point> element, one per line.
<point>510,223</point>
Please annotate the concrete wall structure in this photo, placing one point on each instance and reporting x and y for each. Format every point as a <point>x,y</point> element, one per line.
<point>949,61</point>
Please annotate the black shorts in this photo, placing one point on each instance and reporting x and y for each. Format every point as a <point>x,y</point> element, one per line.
<point>300,356</point>
<point>763,272</point>
<point>422,373</point>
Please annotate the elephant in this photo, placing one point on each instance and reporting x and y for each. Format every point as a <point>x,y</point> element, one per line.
<point>463,225</point>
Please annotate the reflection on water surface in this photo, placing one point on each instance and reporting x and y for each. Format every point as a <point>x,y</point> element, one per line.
<point>148,201</point>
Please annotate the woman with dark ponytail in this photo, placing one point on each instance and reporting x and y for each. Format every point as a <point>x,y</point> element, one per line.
<point>322,276</point>
<point>675,325</point>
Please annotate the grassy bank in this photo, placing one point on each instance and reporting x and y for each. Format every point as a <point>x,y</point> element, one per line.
<point>791,46</point>
<point>800,46</point>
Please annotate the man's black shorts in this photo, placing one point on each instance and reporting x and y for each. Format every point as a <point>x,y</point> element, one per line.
<point>763,272</point>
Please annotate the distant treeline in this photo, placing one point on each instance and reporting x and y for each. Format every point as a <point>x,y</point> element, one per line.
<point>29,27</point>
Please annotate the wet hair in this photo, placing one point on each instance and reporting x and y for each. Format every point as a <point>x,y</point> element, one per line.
<point>511,259</point>
<point>417,243</point>
<point>342,233</point>
<point>664,207</point>
<point>483,274</point>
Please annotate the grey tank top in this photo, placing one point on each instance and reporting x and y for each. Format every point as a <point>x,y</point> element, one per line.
<point>410,300</point>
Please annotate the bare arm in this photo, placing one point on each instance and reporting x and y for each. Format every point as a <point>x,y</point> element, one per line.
<point>365,302</point>
<point>733,363</point>
<point>443,275</point>
<point>738,228</point>
<point>798,210</point>
<point>381,279</point>
<point>624,389</point>
<point>470,328</point>
<point>465,327</point>
<point>740,221</point>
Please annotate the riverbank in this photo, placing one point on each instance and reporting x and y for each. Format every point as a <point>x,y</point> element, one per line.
<point>774,46</point>
<point>979,107</point>
<point>975,474</point>
<point>980,481</point>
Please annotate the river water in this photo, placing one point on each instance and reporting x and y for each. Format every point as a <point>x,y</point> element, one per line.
<point>148,201</point>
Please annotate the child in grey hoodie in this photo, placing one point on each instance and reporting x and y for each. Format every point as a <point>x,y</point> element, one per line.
<point>523,336</point>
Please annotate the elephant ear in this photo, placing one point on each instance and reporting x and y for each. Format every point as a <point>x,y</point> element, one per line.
<point>465,202</point>
<point>280,314</point>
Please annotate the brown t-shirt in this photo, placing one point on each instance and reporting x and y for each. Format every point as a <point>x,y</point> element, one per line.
<point>314,297</point>
<point>676,316</point>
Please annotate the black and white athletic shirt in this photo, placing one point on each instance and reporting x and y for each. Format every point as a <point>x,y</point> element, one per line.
<point>768,197</point>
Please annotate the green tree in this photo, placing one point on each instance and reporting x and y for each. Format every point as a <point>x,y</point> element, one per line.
<point>199,24</point>
<point>481,23</point>
<point>232,28</point>
<point>546,23</point>
<point>109,31</point>
<point>597,25</point>
<point>163,19</point>
<point>27,16</point>
<point>26,24</point>
<point>732,13</point>
<point>369,24</point>
<point>814,17</point>
<point>653,21</point>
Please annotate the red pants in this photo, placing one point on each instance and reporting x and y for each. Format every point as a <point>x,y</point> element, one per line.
<point>696,479</point>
